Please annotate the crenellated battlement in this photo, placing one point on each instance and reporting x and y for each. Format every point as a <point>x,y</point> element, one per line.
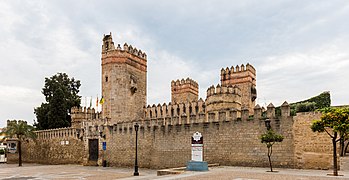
<point>124,81</point>
<point>132,50</point>
<point>223,97</point>
<point>245,78</point>
<point>238,69</point>
<point>174,110</point>
<point>184,82</point>
<point>59,133</point>
<point>184,90</point>
<point>219,90</point>
<point>126,54</point>
<point>194,113</point>
<point>239,74</point>
<point>80,114</point>
<point>108,47</point>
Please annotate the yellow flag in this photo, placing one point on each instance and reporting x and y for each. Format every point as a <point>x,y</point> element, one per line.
<point>102,100</point>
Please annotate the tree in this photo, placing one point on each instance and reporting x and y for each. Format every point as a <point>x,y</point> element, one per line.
<point>61,94</point>
<point>22,131</point>
<point>270,138</point>
<point>335,122</point>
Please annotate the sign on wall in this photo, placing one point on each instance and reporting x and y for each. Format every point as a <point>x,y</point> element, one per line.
<point>104,146</point>
<point>12,146</point>
<point>197,147</point>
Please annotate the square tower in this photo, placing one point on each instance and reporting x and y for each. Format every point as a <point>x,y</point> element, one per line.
<point>124,82</point>
<point>184,90</point>
<point>245,78</point>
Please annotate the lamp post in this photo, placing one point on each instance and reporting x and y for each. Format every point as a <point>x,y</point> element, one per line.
<point>136,162</point>
<point>267,124</point>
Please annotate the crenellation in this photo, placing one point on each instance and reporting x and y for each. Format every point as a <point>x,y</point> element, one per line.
<point>257,112</point>
<point>243,76</point>
<point>285,110</point>
<point>224,116</point>
<point>211,116</point>
<point>234,114</point>
<point>244,114</point>
<point>271,111</point>
<point>183,118</point>
<point>242,67</point>
<point>184,90</point>
<point>61,133</point>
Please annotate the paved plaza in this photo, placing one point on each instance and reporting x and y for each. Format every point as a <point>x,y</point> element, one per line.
<point>36,172</point>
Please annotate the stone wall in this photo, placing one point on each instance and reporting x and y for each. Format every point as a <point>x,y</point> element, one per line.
<point>234,142</point>
<point>312,150</point>
<point>56,146</point>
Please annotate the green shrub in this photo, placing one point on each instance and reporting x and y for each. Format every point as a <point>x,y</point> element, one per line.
<point>2,151</point>
<point>305,107</point>
<point>318,102</point>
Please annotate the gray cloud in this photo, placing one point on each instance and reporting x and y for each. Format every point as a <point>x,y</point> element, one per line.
<point>298,48</point>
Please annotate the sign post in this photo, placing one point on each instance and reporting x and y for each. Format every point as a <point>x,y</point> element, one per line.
<point>197,153</point>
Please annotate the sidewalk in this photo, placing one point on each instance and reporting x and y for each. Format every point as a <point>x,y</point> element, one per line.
<point>70,172</point>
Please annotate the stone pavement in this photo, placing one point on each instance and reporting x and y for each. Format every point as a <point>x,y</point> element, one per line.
<point>70,172</point>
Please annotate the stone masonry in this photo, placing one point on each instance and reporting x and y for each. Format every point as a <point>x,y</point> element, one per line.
<point>184,91</point>
<point>228,119</point>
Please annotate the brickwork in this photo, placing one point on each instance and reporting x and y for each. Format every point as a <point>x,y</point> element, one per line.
<point>228,119</point>
<point>233,141</point>
<point>124,81</point>
<point>312,150</point>
<point>223,97</point>
<point>184,90</point>
<point>245,78</point>
<point>56,146</point>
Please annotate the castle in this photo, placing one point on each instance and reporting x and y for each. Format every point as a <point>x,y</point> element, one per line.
<point>229,120</point>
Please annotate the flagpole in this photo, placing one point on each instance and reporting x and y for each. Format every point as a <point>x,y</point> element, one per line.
<point>86,107</point>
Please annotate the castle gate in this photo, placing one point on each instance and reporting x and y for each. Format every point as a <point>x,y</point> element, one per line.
<point>93,149</point>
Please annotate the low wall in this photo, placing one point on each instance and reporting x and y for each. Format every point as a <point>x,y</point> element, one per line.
<point>56,146</point>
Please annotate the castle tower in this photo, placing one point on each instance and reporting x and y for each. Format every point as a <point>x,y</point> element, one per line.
<point>184,90</point>
<point>124,81</point>
<point>223,98</point>
<point>245,78</point>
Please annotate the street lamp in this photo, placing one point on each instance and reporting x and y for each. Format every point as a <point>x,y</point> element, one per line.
<point>267,124</point>
<point>136,162</point>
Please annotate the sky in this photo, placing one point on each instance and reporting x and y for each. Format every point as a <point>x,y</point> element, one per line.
<point>299,48</point>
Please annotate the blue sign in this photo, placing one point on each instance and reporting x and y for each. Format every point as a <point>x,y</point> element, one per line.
<point>104,146</point>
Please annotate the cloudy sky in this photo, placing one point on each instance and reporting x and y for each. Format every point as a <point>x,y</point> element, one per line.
<point>299,48</point>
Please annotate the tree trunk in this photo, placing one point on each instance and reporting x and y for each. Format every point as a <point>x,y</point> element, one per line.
<point>342,147</point>
<point>346,148</point>
<point>270,150</point>
<point>335,168</point>
<point>19,153</point>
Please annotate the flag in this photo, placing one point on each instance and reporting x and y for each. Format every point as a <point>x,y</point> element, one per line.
<point>102,100</point>
<point>97,102</point>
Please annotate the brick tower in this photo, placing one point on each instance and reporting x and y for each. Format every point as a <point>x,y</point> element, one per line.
<point>124,81</point>
<point>245,79</point>
<point>184,90</point>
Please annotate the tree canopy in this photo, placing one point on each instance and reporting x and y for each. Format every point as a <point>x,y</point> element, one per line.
<point>61,94</point>
<point>270,138</point>
<point>335,122</point>
<point>20,130</point>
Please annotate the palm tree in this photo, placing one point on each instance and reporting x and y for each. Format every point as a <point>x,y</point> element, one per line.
<point>20,130</point>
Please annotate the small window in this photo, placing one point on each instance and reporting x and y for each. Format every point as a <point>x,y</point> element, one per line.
<point>106,78</point>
